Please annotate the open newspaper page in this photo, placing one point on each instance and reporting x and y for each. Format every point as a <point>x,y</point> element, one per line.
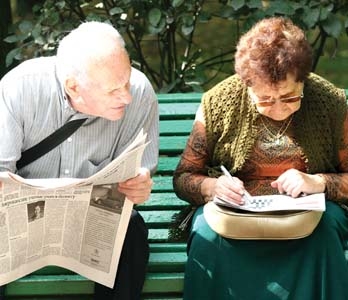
<point>78,224</point>
<point>278,202</point>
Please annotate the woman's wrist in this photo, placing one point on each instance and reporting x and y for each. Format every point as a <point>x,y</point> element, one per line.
<point>207,188</point>
<point>322,182</point>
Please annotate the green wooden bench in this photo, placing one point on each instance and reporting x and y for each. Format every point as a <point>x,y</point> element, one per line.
<point>164,279</point>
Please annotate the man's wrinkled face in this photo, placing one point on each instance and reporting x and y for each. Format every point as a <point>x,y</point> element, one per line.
<point>107,92</point>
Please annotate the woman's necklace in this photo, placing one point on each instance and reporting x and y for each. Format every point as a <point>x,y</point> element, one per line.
<point>278,135</point>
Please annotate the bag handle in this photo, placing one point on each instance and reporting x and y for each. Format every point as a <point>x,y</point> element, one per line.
<point>50,142</point>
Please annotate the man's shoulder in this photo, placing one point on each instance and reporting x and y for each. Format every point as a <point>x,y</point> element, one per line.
<point>40,66</point>
<point>138,77</point>
<point>141,86</point>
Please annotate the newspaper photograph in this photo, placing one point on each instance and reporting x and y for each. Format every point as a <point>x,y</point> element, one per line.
<point>77,224</point>
<point>278,202</point>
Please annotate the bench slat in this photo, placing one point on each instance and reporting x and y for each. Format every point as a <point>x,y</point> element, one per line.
<point>162,201</point>
<point>158,235</point>
<point>167,247</point>
<point>162,184</point>
<point>160,253</point>
<point>172,145</point>
<point>167,164</point>
<point>50,285</point>
<point>166,283</point>
<point>168,111</point>
<point>158,220</point>
<point>75,284</point>
<point>179,98</point>
<point>182,127</point>
<point>167,262</point>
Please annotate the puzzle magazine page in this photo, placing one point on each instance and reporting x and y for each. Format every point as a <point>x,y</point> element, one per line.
<point>278,202</point>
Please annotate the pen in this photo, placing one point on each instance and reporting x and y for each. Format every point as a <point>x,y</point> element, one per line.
<point>246,195</point>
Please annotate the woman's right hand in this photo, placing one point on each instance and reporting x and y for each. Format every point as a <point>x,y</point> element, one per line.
<point>224,188</point>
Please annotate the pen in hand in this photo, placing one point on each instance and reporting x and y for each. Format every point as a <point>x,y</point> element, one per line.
<point>246,196</point>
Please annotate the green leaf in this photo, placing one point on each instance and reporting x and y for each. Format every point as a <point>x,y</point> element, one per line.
<point>154,16</point>
<point>237,4</point>
<point>11,39</point>
<point>187,20</point>
<point>226,12</point>
<point>21,37</point>
<point>11,55</point>
<point>280,7</point>
<point>157,29</point>
<point>53,19</point>
<point>332,26</point>
<point>25,26</point>
<point>312,3</point>
<point>324,13</point>
<point>36,32</point>
<point>36,8</point>
<point>254,4</point>
<point>60,4</point>
<point>311,16</point>
<point>115,11</point>
<point>94,17</point>
<point>177,3</point>
<point>186,30</point>
<point>204,16</point>
<point>40,40</point>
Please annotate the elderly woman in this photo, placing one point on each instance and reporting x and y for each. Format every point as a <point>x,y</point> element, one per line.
<point>278,128</point>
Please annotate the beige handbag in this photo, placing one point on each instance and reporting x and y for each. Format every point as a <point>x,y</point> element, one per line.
<point>275,225</point>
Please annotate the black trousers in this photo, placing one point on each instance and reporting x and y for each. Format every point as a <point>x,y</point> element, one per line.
<point>131,270</point>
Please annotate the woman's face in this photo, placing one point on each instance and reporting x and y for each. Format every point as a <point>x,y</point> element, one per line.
<point>279,101</point>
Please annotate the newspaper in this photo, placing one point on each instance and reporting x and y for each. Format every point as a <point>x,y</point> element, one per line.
<point>77,224</point>
<point>278,202</point>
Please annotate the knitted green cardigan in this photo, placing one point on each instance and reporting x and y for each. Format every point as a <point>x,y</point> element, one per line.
<point>231,124</point>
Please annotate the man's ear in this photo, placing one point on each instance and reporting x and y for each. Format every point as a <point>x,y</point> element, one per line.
<point>71,88</point>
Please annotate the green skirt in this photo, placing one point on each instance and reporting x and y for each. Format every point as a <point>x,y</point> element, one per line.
<point>311,268</point>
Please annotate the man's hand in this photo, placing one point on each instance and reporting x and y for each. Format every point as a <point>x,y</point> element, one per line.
<point>137,189</point>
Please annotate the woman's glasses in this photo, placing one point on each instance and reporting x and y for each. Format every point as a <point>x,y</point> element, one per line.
<point>270,101</point>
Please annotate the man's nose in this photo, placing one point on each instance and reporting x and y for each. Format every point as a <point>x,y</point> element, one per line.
<point>125,96</point>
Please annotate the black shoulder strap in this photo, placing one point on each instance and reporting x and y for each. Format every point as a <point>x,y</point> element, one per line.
<point>50,142</point>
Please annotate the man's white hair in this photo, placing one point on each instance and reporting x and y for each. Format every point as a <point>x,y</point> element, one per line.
<point>91,42</point>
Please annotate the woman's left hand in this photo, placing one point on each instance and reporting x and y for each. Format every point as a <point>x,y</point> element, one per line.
<point>294,182</point>
<point>137,189</point>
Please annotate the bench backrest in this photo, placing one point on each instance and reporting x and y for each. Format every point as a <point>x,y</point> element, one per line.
<point>177,112</point>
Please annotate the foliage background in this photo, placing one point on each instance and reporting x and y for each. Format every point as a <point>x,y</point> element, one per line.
<point>182,46</point>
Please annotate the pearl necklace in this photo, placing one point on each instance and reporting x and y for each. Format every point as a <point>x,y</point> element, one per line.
<point>277,136</point>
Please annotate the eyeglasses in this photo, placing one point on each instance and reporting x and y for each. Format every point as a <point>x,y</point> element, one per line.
<point>270,102</point>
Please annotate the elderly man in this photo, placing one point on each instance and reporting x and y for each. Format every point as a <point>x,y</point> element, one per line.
<point>90,77</point>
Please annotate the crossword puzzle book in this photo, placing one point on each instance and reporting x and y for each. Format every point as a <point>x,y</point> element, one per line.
<point>278,202</point>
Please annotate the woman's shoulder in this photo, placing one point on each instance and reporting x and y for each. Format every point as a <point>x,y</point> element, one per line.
<point>225,88</point>
<point>226,100</point>
<point>227,83</point>
<point>325,94</point>
<point>319,85</point>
